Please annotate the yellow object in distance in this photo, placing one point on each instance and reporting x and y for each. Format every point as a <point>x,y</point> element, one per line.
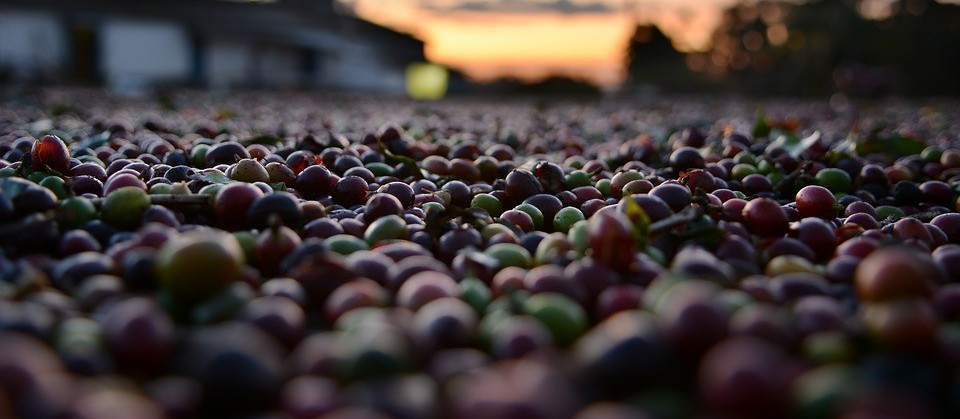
<point>427,81</point>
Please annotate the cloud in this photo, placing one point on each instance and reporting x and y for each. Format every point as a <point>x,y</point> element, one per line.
<point>566,7</point>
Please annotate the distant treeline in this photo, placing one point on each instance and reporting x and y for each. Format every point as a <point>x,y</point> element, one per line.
<point>555,85</point>
<point>812,48</point>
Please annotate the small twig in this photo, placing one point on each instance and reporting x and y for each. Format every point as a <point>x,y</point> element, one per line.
<point>787,181</point>
<point>926,216</point>
<point>169,199</point>
<point>15,227</point>
<point>688,214</point>
<point>7,229</point>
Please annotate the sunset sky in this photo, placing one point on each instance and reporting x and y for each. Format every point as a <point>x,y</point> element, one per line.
<point>534,38</point>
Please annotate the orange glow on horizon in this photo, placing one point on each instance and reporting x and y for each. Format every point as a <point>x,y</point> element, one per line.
<point>530,45</point>
<point>533,45</point>
<point>584,46</point>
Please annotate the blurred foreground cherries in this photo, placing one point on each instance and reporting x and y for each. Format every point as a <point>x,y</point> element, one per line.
<point>300,255</point>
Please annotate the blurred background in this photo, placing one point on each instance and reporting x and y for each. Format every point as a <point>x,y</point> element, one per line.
<point>859,48</point>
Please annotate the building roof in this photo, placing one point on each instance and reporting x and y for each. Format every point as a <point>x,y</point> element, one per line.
<point>306,23</point>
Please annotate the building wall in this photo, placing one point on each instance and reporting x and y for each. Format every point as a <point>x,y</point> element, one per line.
<point>32,44</point>
<point>138,54</point>
<point>278,66</point>
<point>227,63</point>
<point>357,66</point>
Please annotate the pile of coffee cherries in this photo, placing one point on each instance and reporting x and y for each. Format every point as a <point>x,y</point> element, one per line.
<point>293,255</point>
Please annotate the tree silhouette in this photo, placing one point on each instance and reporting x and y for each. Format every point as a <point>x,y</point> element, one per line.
<point>651,59</point>
<point>824,46</point>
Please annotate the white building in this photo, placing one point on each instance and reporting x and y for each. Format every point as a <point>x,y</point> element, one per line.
<point>134,44</point>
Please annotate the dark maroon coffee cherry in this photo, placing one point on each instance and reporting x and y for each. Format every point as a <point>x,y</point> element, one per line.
<point>380,205</point>
<point>313,182</point>
<point>50,154</point>
<point>232,203</point>
<point>756,183</point>
<point>550,175</point>
<point>652,205</point>
<point>282,204</point>
<point>686,158</point>
<point>460,194</point>
<point>300,160</point>
<point>521,184</point>
<point>610,237</point>
<point>675,195</point>
<point>228,152</point>
<point>548,205</point>
<point>350,191</point>
<point>700,180</point>
<point>89,169</point>
<point>403,192</point>
<point>764,217</point>
<point>817,234</point>
<point>141,335</point>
